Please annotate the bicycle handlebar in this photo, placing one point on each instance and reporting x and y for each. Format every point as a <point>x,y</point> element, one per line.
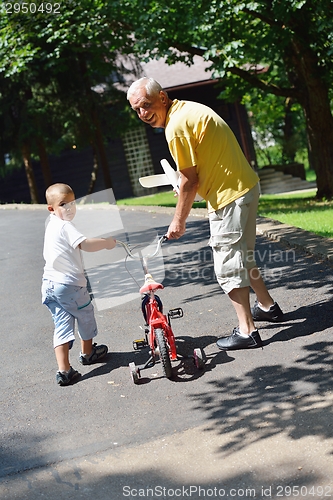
<point>128,250</point>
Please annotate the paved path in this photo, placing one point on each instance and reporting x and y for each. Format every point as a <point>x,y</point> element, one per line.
<point>253,424</point>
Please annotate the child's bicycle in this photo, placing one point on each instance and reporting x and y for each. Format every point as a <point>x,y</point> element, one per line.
<point>158,332</point>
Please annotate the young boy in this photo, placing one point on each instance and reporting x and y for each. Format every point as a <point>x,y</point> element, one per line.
<point>64,288</point>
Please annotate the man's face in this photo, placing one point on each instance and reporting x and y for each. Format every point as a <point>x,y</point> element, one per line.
<point>150,109</point>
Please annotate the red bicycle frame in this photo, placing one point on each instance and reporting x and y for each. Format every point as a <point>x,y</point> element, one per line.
<point>156,319</point>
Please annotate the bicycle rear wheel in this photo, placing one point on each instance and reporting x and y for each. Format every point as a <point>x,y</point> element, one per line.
<point>164,352</point>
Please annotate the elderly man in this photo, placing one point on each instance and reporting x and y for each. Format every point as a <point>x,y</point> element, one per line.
<point>212,163</point>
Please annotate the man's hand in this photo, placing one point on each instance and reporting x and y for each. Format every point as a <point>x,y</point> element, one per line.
<point>176,230</point>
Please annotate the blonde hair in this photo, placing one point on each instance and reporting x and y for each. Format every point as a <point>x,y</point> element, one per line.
<point>56,189</point>
<point>151,86</point>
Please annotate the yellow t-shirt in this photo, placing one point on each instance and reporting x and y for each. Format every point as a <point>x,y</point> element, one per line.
<point>197,136</point>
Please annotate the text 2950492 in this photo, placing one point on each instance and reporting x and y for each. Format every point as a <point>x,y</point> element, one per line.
<point>32,8</point>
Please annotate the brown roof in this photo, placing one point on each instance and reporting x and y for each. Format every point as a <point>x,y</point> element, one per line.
<point>177,74</point>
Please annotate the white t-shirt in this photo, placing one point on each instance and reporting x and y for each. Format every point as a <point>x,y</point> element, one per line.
<point>63,260</point>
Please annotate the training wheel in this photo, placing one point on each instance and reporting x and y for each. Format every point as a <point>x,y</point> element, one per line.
<point>199,358</point>
<point>135,373</point>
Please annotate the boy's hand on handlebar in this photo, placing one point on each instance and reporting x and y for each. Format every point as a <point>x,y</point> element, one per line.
<point>97,244</point>
<point>110,243</point>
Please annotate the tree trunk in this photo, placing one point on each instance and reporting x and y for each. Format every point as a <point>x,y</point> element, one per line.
<point>101,150</point>
<point>289,148</point>
<point>30,173</point>
<point>93,172</point>
<point>319,122</point>
<point>313,94</point>
<point>98,135</point>
<point>44,162</point>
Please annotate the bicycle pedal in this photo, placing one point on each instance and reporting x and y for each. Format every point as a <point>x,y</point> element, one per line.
<point>139,344</point>
<point>176,313</point>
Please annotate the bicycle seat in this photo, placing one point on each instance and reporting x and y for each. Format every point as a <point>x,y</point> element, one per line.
<point>150,284</point>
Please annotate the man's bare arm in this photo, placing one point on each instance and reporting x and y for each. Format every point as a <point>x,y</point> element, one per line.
<point>187,191</point>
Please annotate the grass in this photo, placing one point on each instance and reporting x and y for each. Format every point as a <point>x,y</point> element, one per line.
<point>165,199</point>
<point>296,209</point>
<point>299,210</point>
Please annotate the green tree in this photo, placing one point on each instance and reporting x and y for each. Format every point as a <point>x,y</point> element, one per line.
<point>53,62</point>
<point>278,127</point>
<point>282,47</point>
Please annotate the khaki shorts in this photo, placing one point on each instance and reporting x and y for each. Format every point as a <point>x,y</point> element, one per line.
<point>232,238</point>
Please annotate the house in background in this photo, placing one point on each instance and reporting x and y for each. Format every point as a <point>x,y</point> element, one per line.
<point>139,151</point>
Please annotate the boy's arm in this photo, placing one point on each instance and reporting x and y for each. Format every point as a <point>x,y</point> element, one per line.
<point>96,244</point>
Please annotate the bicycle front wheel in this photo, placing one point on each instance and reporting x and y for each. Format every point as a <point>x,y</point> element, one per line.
<point>164,352</point>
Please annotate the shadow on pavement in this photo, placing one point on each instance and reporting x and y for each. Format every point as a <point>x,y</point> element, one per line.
<point>274,398</point>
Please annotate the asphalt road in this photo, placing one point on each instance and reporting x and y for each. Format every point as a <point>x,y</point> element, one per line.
<point>252,424</point>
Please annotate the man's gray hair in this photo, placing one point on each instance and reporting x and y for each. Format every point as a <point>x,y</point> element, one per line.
<point>152,86</point>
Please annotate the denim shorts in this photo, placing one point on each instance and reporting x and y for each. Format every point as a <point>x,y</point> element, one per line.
<point>68,303</point>
<point>232,238</point>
